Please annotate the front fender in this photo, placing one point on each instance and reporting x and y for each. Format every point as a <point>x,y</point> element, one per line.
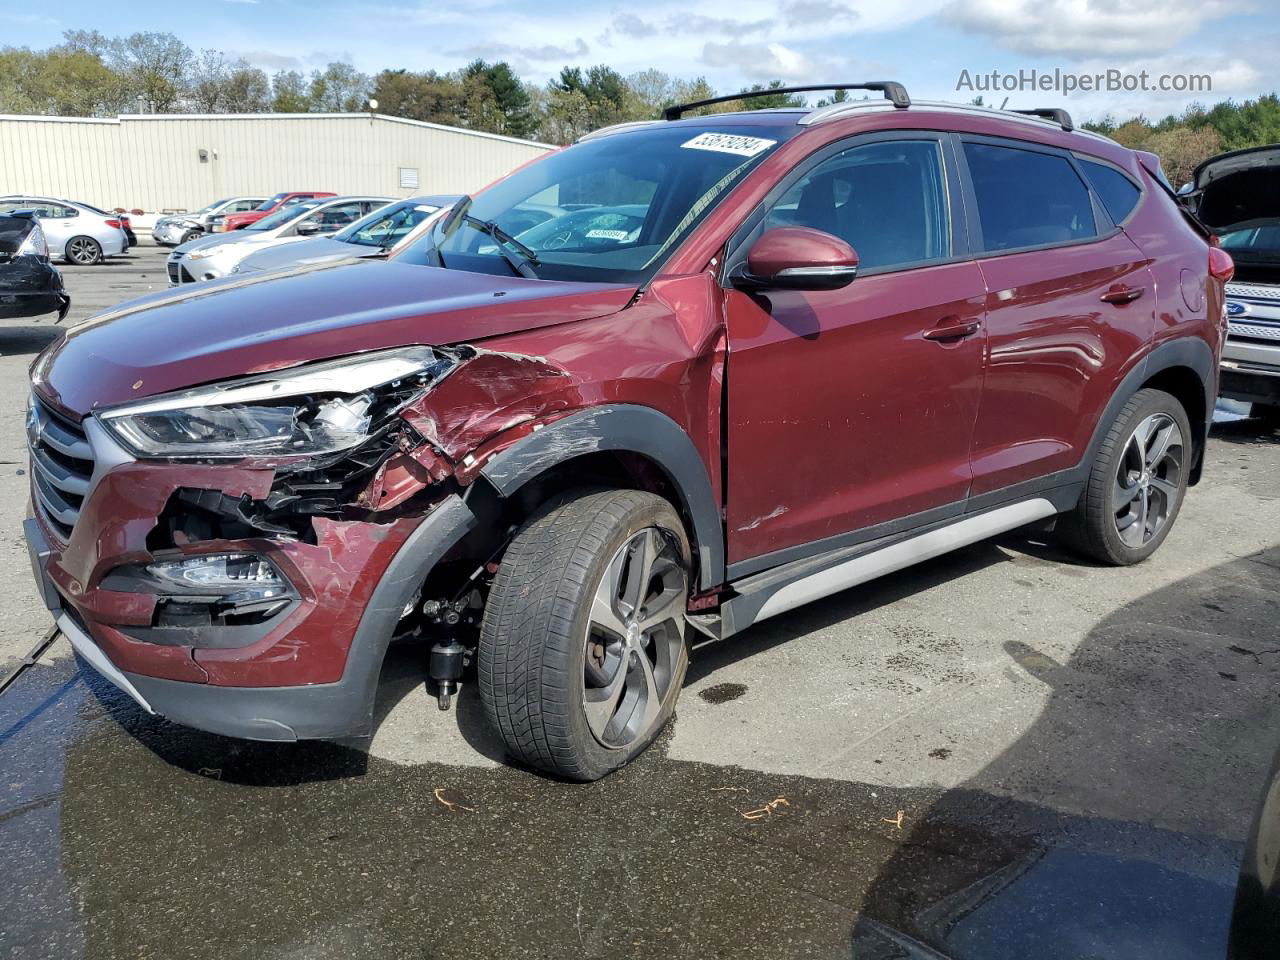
<point>623,428</point>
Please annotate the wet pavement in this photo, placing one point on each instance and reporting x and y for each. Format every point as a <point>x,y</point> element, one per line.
<point>1002,753</point>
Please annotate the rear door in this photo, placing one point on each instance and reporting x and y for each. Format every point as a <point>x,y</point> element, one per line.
<point>1070,308</point>
<point>844,418</point>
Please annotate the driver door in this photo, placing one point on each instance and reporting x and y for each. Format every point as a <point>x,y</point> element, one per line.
<point>848,416</point>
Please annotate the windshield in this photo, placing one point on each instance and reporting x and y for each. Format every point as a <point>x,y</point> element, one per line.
<point>607,210</point>
<point>268,204</point>
<point>211,207</point>
<point>386,227</point>
<point>283,215</point>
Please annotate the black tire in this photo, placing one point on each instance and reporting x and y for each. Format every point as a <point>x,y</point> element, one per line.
<point>82,251</point>
<point>1268,413</point>
<point>539,629</point>
<point>1096,526</point>
<point>190,235</point>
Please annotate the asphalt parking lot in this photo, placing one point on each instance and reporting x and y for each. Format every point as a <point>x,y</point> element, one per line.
<point>1005,750</point>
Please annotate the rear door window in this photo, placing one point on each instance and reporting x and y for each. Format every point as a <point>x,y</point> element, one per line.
<point>1119,194</point>
<point>1027,198</point>
<point>887,200</point>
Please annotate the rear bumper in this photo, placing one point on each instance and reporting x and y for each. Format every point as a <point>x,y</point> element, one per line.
<point>14,305</point>
<point>1251,369</point>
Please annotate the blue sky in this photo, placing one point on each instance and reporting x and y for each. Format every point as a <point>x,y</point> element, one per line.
<point>733,42</point>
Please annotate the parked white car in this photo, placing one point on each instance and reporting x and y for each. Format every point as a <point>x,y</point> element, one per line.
<point>177,228</point>
<point>381,232</point>
<point>216,255</point>
<point>76,232</point>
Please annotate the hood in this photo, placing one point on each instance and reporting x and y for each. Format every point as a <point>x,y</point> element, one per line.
<point>1239,189</point>
<point>243,325</point>
<point>310,251</point>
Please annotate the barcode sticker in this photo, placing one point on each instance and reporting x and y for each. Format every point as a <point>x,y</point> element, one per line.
<point>729,143</point>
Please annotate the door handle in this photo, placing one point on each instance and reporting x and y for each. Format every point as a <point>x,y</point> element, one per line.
<point>1122,294</point>
<point>953,328</point>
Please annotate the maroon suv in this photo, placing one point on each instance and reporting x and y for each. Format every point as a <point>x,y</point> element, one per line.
<point>670,381</point>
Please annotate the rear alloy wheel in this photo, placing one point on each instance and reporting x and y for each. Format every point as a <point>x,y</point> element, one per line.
<point>582,647</point>
<point>83,251</point>
<point>1137,482</point>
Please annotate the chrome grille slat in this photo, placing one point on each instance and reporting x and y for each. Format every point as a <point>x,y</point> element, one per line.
<point>61,438</point>
<point>52,501</point>
<point>1253,291</point>
<point>1253,331</point>
<point>62,465</point>
<point>57,474</point>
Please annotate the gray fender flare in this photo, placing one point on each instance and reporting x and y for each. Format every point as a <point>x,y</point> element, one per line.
<point>623,428</point>
<point>1189,352</point>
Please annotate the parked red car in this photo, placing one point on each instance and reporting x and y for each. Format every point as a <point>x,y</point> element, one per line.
<point>227,223</point>
<point>664,407</point>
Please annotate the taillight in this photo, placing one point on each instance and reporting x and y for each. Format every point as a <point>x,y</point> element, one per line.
<point>1221,266</point>
<point>114,223</point>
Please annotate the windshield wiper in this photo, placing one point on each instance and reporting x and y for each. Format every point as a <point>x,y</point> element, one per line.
<point>523,265</point>
<point>528,259</point>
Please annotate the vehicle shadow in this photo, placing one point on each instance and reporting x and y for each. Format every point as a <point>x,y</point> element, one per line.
<point>1121,812</point>
<point>1248,432</point>
<point>16,340</point>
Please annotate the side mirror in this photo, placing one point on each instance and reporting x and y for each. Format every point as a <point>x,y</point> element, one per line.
<point>308,228</point>
<point>797,258</point>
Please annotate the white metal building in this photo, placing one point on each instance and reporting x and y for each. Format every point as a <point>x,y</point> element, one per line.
<point>165,162</point>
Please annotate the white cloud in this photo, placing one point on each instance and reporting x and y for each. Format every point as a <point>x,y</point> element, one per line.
<point>1087,28</point>
<point>763,61</point>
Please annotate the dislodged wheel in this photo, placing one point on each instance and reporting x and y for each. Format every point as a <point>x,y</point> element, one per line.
<point>582,648</point>
<point>83,251</point>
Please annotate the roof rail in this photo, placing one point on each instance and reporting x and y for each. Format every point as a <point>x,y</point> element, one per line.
<point>1056,114</point>
<point>892,90</point>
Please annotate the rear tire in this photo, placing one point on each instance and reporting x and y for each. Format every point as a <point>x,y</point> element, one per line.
<point>582,646</point>
<point>83,251</point>
<point>1136,484</point>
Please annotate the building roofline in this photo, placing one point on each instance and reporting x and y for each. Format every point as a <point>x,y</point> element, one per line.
<point>484,134</point>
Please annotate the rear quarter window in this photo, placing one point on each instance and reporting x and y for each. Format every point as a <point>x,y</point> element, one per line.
<point>1027,198</point>
<point>1119,194</point>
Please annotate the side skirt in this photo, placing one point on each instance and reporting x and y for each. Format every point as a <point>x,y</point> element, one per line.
<point>789,586</point>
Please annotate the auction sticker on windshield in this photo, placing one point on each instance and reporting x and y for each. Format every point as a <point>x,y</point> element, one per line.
<point>729,143</point>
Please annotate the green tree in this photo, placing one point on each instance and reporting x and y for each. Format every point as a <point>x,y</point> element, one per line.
<point>339,88</point>
<point>289,92</point>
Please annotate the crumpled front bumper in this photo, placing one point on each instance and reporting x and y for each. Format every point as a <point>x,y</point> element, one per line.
<point>310,672</point>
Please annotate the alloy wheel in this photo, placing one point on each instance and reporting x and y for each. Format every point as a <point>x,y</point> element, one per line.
<point>83,250</point>
<point>635,642</point>
<point>1148,480</point>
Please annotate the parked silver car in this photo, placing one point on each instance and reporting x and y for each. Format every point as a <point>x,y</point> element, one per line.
<point>76,232</point>
<point>179,228</point>
<point>216,255</point>
<point>386,229</point>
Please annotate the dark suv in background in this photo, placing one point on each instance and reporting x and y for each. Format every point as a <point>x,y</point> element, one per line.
<point>756,359</point>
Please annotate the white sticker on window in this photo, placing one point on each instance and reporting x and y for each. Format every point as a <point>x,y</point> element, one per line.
<point>729,143</point>
<point>606,234</point>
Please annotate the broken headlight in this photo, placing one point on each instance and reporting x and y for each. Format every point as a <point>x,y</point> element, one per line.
<point>303,411</point>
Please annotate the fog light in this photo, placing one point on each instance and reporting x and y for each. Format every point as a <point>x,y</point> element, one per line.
<point>221,571</point>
